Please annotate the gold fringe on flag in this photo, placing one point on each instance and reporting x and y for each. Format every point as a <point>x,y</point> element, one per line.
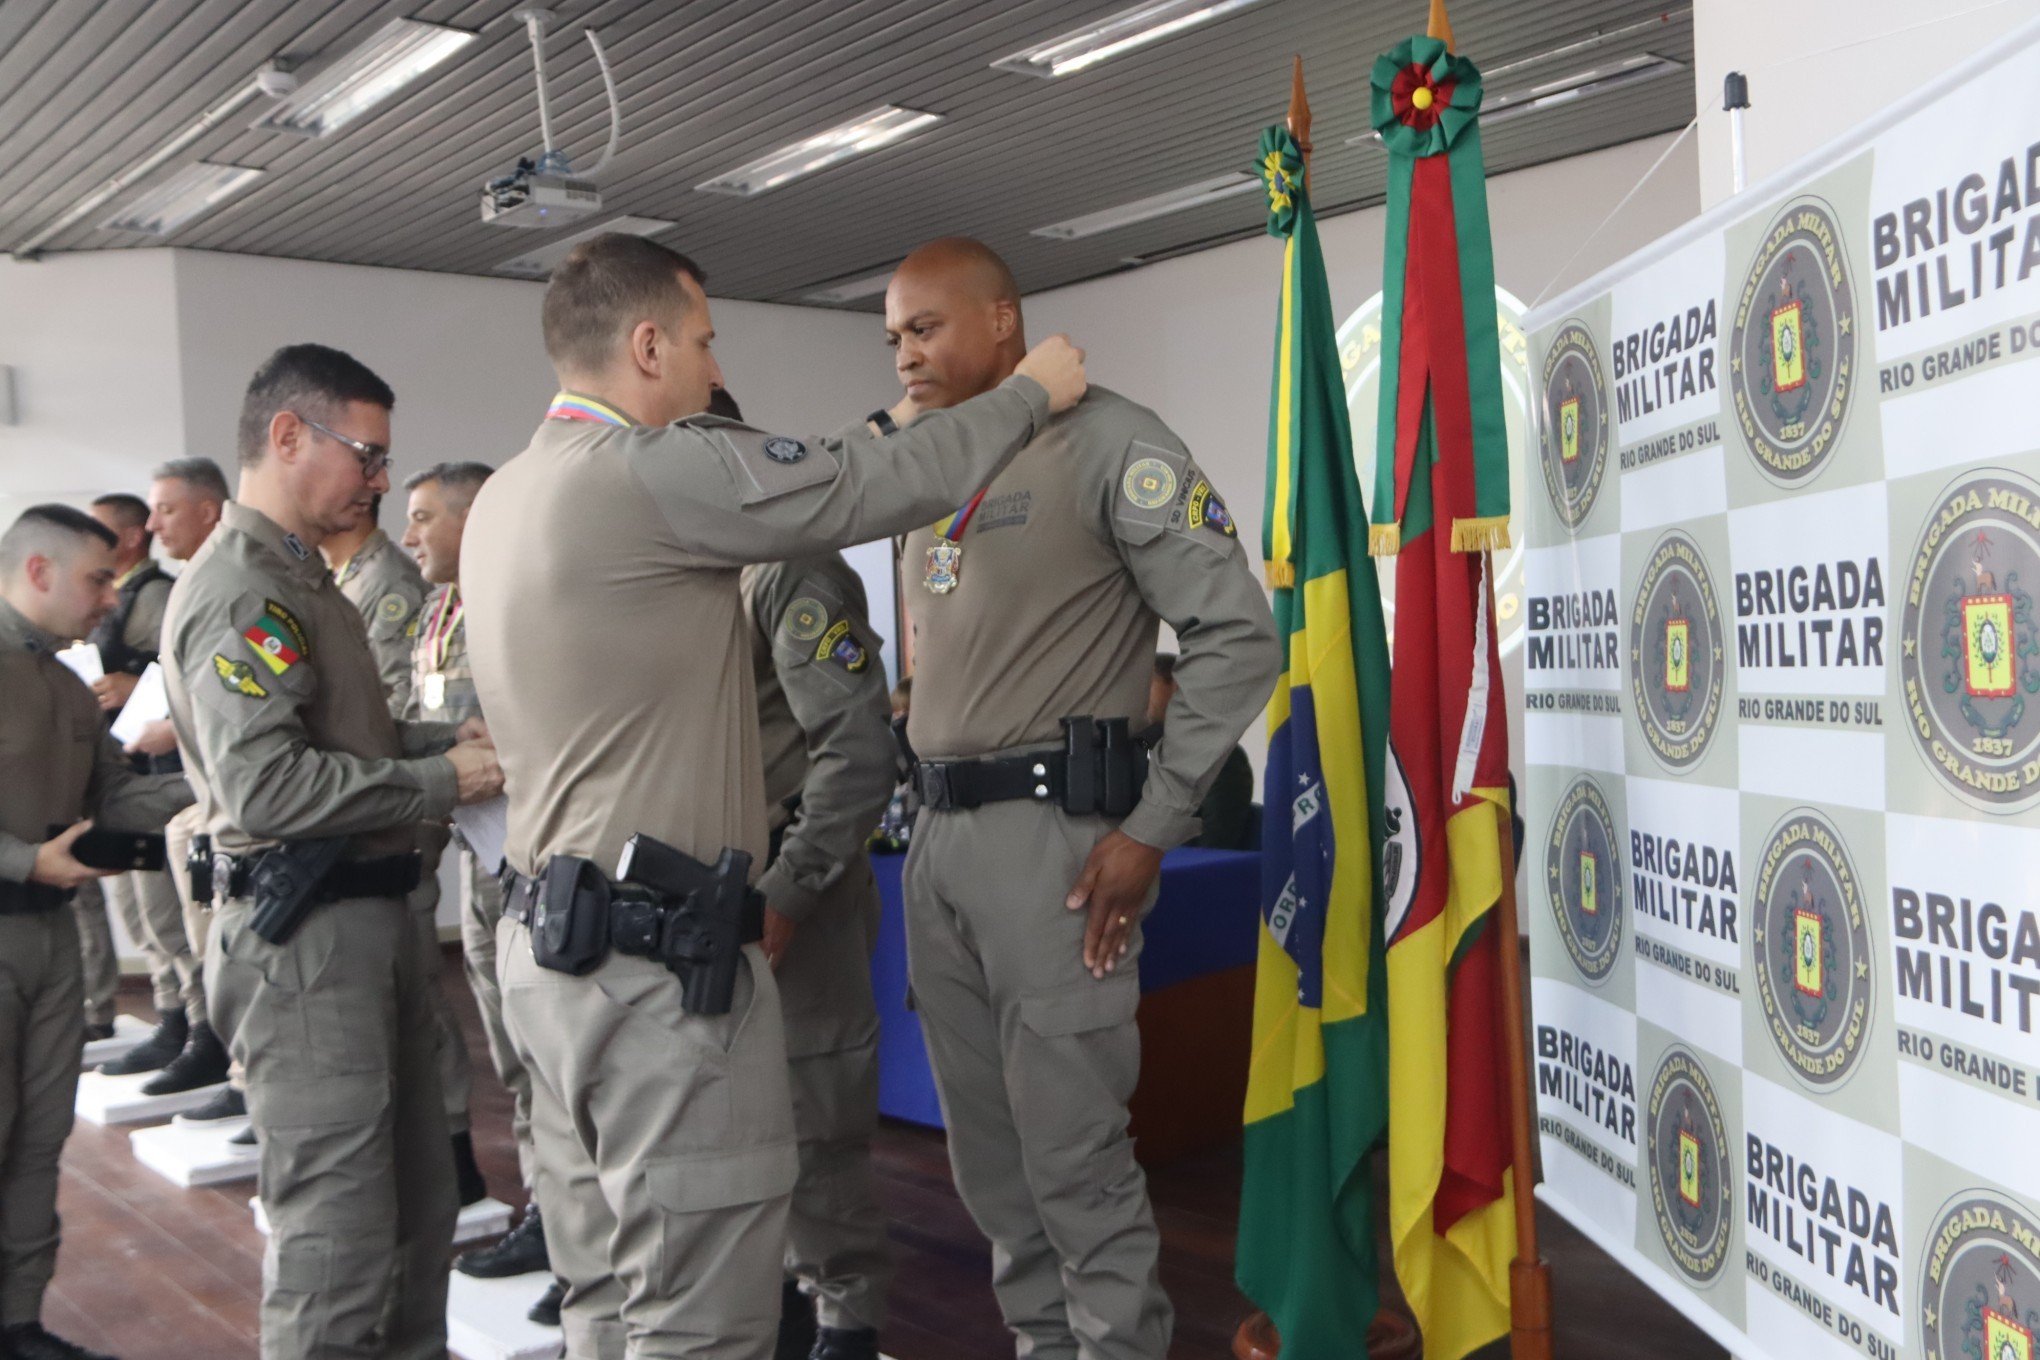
<point>1384,540</point>
<point>1480,535</point>
<point>1281,575</point>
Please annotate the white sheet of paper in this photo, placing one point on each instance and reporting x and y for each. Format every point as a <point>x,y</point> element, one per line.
<point>149,702</point>
<point>83,658</point>
<point>485,826</point>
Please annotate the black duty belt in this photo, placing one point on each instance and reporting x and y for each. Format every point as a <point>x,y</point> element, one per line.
<point>390,876</point>
<point>1039,776</point>
<point>635,921</point>
<point>23,899</point>
<point>1099,769</point>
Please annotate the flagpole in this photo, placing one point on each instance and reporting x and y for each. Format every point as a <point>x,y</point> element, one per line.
<point>1529,1273</point>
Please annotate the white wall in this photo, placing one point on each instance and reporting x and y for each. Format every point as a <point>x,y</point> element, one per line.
<point>1819,67</point>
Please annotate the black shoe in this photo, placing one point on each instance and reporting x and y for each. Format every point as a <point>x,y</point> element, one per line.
<point>518,1252</point>
<point>154,1052</point>
<point>796,1323</point>
<point>840,1343</point>
<point>245,1138</point>
<point>95,1033</point>
<point>227,1103</point>
<point>28,1341</point>
<point>546,1312</point>
<point>466,1175</point>
<point>202,1063</point>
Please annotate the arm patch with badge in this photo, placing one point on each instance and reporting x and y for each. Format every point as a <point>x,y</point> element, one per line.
<point>1207,511</point>
<point>238,677</point>
<point>805,619</point>
<point>277,638</point>
<point>840,646</point>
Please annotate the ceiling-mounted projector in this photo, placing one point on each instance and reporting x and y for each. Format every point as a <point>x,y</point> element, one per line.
<point>545,192</point>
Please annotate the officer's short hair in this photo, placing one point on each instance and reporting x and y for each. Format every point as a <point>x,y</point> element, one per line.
<point>606,285</point>
<point>49,530</point>
<point>314,381</point>
<point>131,511</point>
<point>202,475</point>
<point>460,481</point>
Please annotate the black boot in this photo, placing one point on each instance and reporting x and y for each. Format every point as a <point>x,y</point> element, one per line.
<point>245,1138</point>
<point>202,1063</point>
<point>466,1175</point>
<point>546,1312</point>
<point>227,1103</point>
<point>28,1341</point>
<point>840,1343</point>
<point>156,1051</point>
<point>796,1323</point>
<point>518,1252</point>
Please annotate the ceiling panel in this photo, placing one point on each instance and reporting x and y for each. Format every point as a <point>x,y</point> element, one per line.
<point>89,88</point>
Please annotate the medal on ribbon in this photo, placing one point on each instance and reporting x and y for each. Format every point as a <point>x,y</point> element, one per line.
<point>945,557</point>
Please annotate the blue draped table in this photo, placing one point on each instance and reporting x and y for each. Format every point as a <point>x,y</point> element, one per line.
<point>1196,982</point>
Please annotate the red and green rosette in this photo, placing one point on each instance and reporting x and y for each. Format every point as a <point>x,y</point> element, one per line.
<point>1441,415</point>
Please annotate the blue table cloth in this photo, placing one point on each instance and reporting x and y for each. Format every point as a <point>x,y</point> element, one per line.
<point>1205,921</point>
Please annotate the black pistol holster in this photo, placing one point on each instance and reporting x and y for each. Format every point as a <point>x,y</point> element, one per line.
<point>198,863</point>
<point>692,917</point>
<point>284,881</point>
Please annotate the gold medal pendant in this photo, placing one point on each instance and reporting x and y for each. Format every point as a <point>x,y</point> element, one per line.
<point>945,563</point>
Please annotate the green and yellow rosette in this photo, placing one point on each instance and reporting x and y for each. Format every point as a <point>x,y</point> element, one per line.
<point>1441,414</point>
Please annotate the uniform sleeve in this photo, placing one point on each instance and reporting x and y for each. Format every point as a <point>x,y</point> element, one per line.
<point>392,621</point>
<point>247,727</point>
<point>1178,539</point>
<point>123,799</point>
<point>828,662</point>
<point>144,630</point>
<point>734,495</point>
<point>427,738</point>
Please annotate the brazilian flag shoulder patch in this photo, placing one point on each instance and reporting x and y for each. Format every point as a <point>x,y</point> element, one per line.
<point>277,638</point>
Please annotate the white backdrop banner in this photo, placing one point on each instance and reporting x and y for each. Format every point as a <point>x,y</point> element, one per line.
<point>1783,743</point>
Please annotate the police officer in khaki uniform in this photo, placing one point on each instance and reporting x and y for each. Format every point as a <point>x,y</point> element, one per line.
<point>608,640</point>
<point>1036,854</point>
<point>824,726</point>
<point>56,581</point>
<point>443,690</point>
<point>312,795</point>
<point>380,579</point>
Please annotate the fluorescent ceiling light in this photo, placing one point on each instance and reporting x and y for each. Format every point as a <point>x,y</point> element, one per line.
<point>1140,210</point>
<point>1614,75</point>
<point>853,289</point>
<point>192,192</point>
<point>538,264</point>
<point>881,127</point>
<point>1114,35</point>
<point>398,54</point>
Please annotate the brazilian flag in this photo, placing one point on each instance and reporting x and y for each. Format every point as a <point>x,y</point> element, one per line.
<point>1317,1089</point>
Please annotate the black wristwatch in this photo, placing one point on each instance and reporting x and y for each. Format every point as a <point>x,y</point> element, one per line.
<point>883,419</point>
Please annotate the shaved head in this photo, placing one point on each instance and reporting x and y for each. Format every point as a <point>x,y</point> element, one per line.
<point>952,316</point>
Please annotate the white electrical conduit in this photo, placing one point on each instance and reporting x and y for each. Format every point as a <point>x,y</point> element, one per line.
<point>615,105</point>
<point>534,24</point>
<point>127,178</point>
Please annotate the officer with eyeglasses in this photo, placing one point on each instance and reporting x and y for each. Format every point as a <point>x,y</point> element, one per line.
<point>312,795</point>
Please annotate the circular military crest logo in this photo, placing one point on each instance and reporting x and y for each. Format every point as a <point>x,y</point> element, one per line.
<point>1676,673</point>
<point>1792,349</point>
<point>1574,438</point>
<point>780,449</point>
<point>1980,1281</point>
<point>1692,1192</point>
<point>1150,484</point>
<point>1970,653</point>
<point>1815,979</point>
<point>805,619</point>
<point>1583,879</point>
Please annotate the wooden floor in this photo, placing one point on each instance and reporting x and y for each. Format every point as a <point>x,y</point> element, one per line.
<point>152,1272</point>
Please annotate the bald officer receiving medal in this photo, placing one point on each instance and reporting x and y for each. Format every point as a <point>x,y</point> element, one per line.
<point>609,646</point>
<point>1035,608</point>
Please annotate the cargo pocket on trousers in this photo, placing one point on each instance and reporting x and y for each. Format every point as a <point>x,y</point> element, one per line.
<point>1097,1004</point>
<point>300,1264</point>
<point>1076,1068</point>
<point>706,1182</point>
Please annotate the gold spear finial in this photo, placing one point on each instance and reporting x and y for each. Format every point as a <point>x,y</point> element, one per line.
<point>1299,117</point>
<point>1441,26</point>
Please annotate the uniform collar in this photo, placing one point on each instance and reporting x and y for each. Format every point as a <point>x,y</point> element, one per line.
<point>136,570</point>
<point>17,633</point>
<point>302,561</point>
<point>376,541</point>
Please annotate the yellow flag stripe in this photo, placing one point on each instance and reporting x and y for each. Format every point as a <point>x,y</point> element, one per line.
<point>1285,410</point>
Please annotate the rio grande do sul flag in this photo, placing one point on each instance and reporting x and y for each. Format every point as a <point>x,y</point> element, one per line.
<point>1440,504</point>
<point>1316,1089</point>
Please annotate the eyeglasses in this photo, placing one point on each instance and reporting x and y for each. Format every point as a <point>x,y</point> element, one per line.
<point>374,458</point>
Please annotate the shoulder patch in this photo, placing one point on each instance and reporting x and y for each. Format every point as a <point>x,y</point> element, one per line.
<point>1149,483</point>
<point>780,449</point>
<point>238,676</point>
<point>842,647</point>
<point>1207,511</point>
<point>393,608</point>
<point>805,619</point>
<point>767,466</point>
<point>277,638</point>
